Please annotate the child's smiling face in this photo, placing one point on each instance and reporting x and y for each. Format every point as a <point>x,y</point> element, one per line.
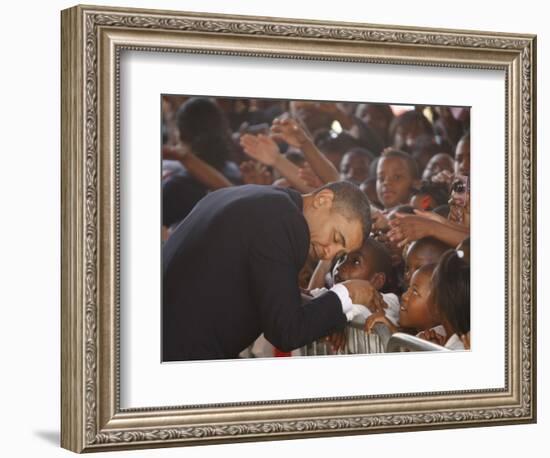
<point>394,181</point>
<point>414,311</point>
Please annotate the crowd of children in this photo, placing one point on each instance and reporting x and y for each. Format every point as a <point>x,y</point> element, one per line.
<point>412,162</point>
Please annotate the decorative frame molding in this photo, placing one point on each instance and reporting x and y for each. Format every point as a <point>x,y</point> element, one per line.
<point>92,39</point>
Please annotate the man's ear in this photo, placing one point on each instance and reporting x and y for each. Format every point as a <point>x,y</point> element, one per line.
<point>378,280</point>
<point>323,198</point>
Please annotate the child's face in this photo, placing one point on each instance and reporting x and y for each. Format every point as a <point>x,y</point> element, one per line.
<point>394,181</point>
<point>437,164</point>
<point>376,118</point>
<point>415,259</point>
<point>462,158</point>
<point>356,266</point>
<point>406,134</point>
<point>369,188</point>
<point>354,167</point>
<point>414,311</point>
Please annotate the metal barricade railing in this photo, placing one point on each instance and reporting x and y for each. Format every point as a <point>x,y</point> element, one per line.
<point>357,342</point>
<point>405,342</point>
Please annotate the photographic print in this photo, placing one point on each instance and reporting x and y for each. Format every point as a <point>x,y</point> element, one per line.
<point>273,228</point>
<point>298,228</point>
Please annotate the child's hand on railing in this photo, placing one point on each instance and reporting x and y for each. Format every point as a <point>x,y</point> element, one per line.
<point>379,317</point>
<point>431,336</point>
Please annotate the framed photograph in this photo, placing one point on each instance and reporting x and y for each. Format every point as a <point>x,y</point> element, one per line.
<point>277,228</point>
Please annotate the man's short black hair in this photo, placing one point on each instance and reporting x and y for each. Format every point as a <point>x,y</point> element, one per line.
<point>350,202</point>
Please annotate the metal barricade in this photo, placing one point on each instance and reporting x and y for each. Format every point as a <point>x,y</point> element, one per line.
<point>358,342</point>
<point>405,342</point>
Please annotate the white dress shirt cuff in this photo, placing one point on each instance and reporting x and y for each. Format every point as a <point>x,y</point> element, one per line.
<point>342,292</point>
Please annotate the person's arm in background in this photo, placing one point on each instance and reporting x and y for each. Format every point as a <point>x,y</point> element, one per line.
<point>200,170</point>
<point>407,228</point>
<point>292,133</point>
<point>264,149</point>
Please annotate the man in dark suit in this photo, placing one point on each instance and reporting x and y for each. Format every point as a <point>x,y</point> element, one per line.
<point>230,269</point>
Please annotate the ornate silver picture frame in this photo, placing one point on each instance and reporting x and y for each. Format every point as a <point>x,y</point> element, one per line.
<point>93,40</point>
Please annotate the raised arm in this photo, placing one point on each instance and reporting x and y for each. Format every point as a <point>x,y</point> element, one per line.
<point>200,170</point>
<point>291,132</point>
<point>265,150</point>
<point>407,228</point>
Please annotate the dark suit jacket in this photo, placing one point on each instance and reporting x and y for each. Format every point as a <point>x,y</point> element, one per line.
<point>230,272</point>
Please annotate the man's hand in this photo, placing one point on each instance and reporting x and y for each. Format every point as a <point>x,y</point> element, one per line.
<point>337,340</point>
<point>362,292</point>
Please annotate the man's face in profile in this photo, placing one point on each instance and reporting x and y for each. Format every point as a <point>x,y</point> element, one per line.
<point>330,231</point>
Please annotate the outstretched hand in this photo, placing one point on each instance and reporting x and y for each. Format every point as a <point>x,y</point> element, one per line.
<point>408,228</point>
<point>261,147</point>
<point>290,131</point>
